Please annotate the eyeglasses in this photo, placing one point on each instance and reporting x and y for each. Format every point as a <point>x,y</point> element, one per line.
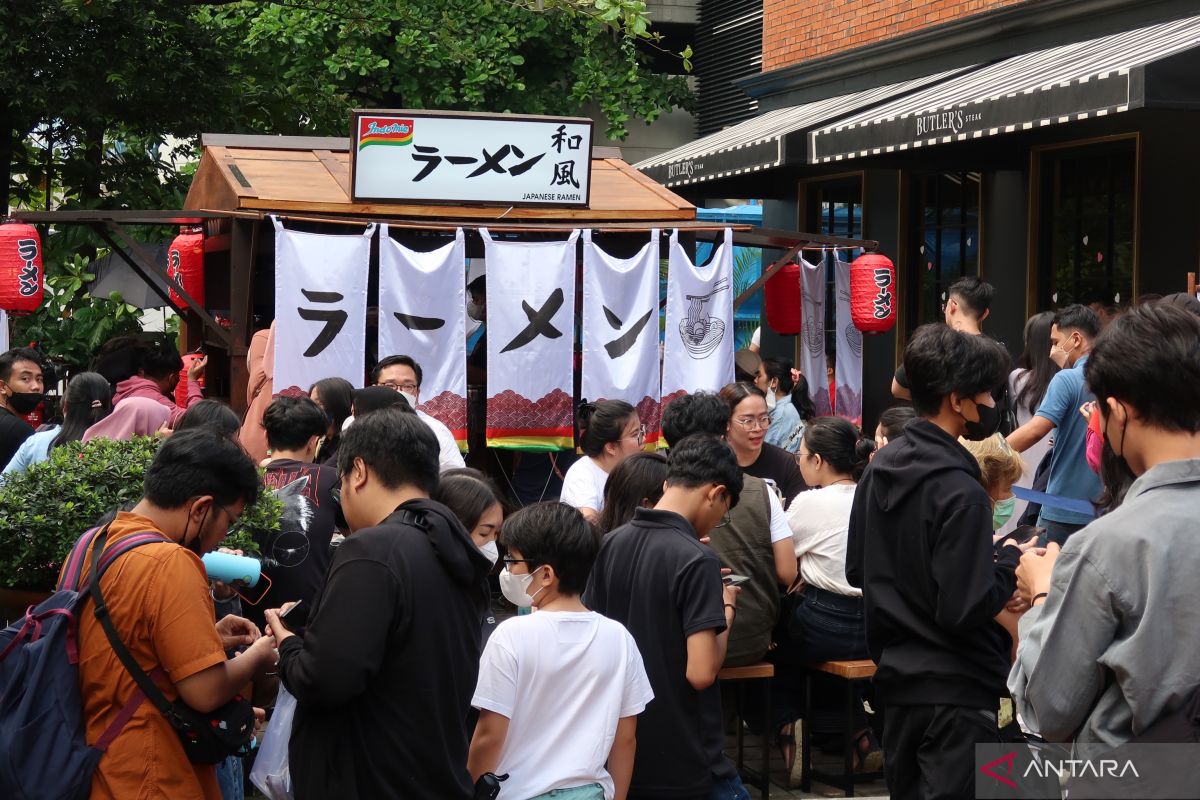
<point>409,386</point>
<point>754,423</point>
<point>235,525</point>
<point>640,435</point>
<point>509,561</point>
<point>800,455</point>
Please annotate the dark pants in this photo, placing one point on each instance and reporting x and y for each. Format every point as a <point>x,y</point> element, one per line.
<point>929,751</point>
<point>823,627</point>
<point>1057,532</point>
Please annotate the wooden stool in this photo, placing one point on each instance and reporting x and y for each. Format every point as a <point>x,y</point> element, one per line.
<point>853,673</point>
<point>752,672</point>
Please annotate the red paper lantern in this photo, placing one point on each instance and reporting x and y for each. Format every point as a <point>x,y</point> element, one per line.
<point>782,299</point>
<point>873,293</point>
<point>21,274</point>
<point>185,263</point>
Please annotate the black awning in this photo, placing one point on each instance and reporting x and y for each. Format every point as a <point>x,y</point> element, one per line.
<point>763,142</point>
<point>1093,78</point>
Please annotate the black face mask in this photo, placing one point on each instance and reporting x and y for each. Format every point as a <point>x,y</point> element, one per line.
<point>194,545</point>
<point>988,424</point>
<point>24,402</point>
<point>1115,472</point>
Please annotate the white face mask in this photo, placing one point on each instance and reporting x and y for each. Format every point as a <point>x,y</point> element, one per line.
<point>491,551</point>
<point>772,400</point>
<point>515,588</point>
<point>412,400</point>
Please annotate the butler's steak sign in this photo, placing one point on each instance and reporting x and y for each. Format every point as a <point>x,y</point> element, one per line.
<point>453,157</point>
<point>1017,111</point>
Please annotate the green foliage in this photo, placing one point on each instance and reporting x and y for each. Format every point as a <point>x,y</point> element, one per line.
<point>71,324</point>
<point>95,90</point>
<point>44,509</point>
<point>304,66</point>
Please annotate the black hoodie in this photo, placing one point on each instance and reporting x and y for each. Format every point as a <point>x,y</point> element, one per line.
<point>920,548</point>
<point>384,673</point>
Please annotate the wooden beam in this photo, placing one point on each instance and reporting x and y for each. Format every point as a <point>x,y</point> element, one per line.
<point>243,244</point>
<point>143,264</point>
<point>768,273</point>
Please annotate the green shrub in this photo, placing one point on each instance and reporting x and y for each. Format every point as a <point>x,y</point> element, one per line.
<point>44,509</point>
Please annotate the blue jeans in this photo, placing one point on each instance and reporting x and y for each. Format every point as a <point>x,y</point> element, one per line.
<point>592,791</point>
<point>728,789</point>
<point>229,778</point>
<point>824,627</point>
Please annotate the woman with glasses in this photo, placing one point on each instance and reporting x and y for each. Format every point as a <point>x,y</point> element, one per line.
<point>609,432</point>
<point>825,620</point>
<point>749,421</point>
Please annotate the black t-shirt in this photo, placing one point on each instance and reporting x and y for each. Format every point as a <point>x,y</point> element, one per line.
<point>654,577</point>
<point>384,674</point>
<point>778,465</point>
<point>13,431</point>
<point>478,357</point>
<point>297,557</point>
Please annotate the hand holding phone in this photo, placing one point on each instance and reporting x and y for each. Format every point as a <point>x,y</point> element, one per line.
<point>284,616</point>
<point>734,580</point>
<point>1018,537</point>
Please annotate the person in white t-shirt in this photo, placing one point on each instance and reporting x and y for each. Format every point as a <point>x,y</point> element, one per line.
<point>827,624</point>
<point>559,690</point>
<point>609,432</point>
<point>404,374</point>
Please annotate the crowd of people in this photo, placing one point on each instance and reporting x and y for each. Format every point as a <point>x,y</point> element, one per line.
<point>764,533</point>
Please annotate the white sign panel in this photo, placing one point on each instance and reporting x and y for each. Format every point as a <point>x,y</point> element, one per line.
<point>513,160</point>
<point>320,306</point>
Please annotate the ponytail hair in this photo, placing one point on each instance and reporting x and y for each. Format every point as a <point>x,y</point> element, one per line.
<point>839,443</point>
<point>780,369</point>
<point>601,423</point>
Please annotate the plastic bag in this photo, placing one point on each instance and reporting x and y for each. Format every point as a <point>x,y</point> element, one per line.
<point>270,773</point>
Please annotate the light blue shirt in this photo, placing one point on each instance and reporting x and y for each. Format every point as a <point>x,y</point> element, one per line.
<point>1070,475</point>
<point>34,449</point>
<point>785,426</point>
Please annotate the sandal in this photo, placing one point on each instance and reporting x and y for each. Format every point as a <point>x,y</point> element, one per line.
<point>868,755</point>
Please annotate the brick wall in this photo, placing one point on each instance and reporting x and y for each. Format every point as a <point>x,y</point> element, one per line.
<point>800,30</point>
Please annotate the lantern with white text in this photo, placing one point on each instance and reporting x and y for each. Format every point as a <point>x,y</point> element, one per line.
<point>21,275</point>
<point>873,293</point>
<point>185,264</point>
<point>782,300</point>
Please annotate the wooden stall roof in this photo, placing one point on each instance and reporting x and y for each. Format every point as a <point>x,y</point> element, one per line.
<point>312,175</point>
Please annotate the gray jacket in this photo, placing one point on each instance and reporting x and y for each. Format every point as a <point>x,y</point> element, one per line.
<point>1117,642</point>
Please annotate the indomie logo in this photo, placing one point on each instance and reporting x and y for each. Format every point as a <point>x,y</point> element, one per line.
<point>384,130</point>
<point>27,250</point>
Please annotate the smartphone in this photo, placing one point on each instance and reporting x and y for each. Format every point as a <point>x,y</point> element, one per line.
<point>734,580</point>
<point>284,616</point>
<point>1020,536</point>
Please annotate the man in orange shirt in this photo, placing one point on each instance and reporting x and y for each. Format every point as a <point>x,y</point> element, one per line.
<point>159,600</point>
